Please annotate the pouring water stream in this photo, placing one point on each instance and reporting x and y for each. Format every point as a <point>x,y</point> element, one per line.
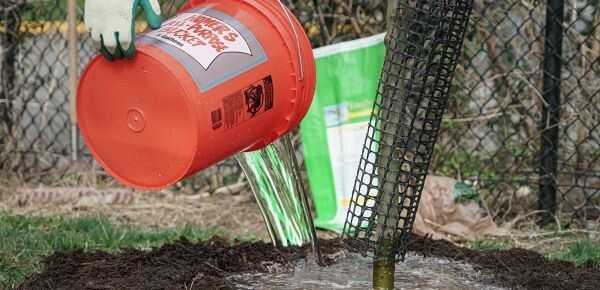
<point>276,182</point>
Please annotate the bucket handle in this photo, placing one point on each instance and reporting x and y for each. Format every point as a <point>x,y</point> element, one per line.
<point>287,14</point>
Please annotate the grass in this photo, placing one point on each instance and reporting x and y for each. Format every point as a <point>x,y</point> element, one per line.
<point>479,245</point>
<point>25,241</point>
<point>580,252</point>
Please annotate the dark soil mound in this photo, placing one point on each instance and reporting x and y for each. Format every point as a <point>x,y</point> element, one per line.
<point>207,264</point>
<point>178,265</point>
<point>515,267</point>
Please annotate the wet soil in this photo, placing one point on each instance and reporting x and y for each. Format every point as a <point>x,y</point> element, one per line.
<point>207,264</point>
<point>515,267</point>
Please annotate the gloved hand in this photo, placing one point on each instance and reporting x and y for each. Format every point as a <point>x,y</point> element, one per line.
<point>111,23</point>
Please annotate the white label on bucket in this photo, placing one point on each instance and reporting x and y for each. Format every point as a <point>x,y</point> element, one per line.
<point>202,37</point>
<point>213,46</point>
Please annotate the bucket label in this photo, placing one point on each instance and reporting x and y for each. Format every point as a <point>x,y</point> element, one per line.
<point>213,46</point>
<point>244,104</point>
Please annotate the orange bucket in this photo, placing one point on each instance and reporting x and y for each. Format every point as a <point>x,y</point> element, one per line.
<point>221,77</point>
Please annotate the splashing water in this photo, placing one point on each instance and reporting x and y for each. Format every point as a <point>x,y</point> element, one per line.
<point>276,182</point>
<point>352,271</point>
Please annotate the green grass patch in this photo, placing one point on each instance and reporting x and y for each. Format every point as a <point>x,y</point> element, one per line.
<point>26,241</point>
<point>580,252</point>
<point>480,245</point>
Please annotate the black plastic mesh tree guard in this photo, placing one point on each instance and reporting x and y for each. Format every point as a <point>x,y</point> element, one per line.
<point>423,46</point>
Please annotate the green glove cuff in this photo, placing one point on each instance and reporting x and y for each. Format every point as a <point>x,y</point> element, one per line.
<point>154,21</point>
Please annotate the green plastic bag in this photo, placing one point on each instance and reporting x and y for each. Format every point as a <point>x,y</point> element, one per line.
<point>334,129</point>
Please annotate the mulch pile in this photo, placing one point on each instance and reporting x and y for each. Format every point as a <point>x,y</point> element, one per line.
<point>206,265</point>
<point>515,267</point>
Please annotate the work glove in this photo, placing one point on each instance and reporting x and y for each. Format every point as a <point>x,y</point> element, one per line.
<point>112,24</point>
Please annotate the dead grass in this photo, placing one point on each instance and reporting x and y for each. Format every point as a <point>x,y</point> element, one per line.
<point>550,240</point>
<point>238,215</point>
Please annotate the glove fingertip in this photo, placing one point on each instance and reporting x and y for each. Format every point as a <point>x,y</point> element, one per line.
<point>125,52</point>
<point>155,21</point>
<point>107,55</point>
<point>102,49</point>
<point>119,48</point>
<point>129,53</point>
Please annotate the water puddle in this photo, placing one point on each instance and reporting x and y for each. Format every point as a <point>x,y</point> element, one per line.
<point>354,272</point>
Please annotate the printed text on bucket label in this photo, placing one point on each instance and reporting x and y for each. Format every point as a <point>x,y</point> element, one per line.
<point>202,37</point>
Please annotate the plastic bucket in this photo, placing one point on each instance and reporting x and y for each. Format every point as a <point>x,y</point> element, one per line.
<point>219,78</point>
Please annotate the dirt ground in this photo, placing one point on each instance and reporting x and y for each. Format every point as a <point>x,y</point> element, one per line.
<point>176,265</point>
<point>236,215</point>
<point>207,264</point>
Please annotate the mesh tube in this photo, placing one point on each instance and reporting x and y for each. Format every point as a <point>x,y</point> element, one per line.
<point>423,45</point>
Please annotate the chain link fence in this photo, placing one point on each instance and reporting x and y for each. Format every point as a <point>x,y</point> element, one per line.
<point>521,125</point>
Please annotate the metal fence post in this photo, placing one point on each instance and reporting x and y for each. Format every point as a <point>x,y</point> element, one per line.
<point>8,56</point>
<point>550,110</point>
<point>72,34</point>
